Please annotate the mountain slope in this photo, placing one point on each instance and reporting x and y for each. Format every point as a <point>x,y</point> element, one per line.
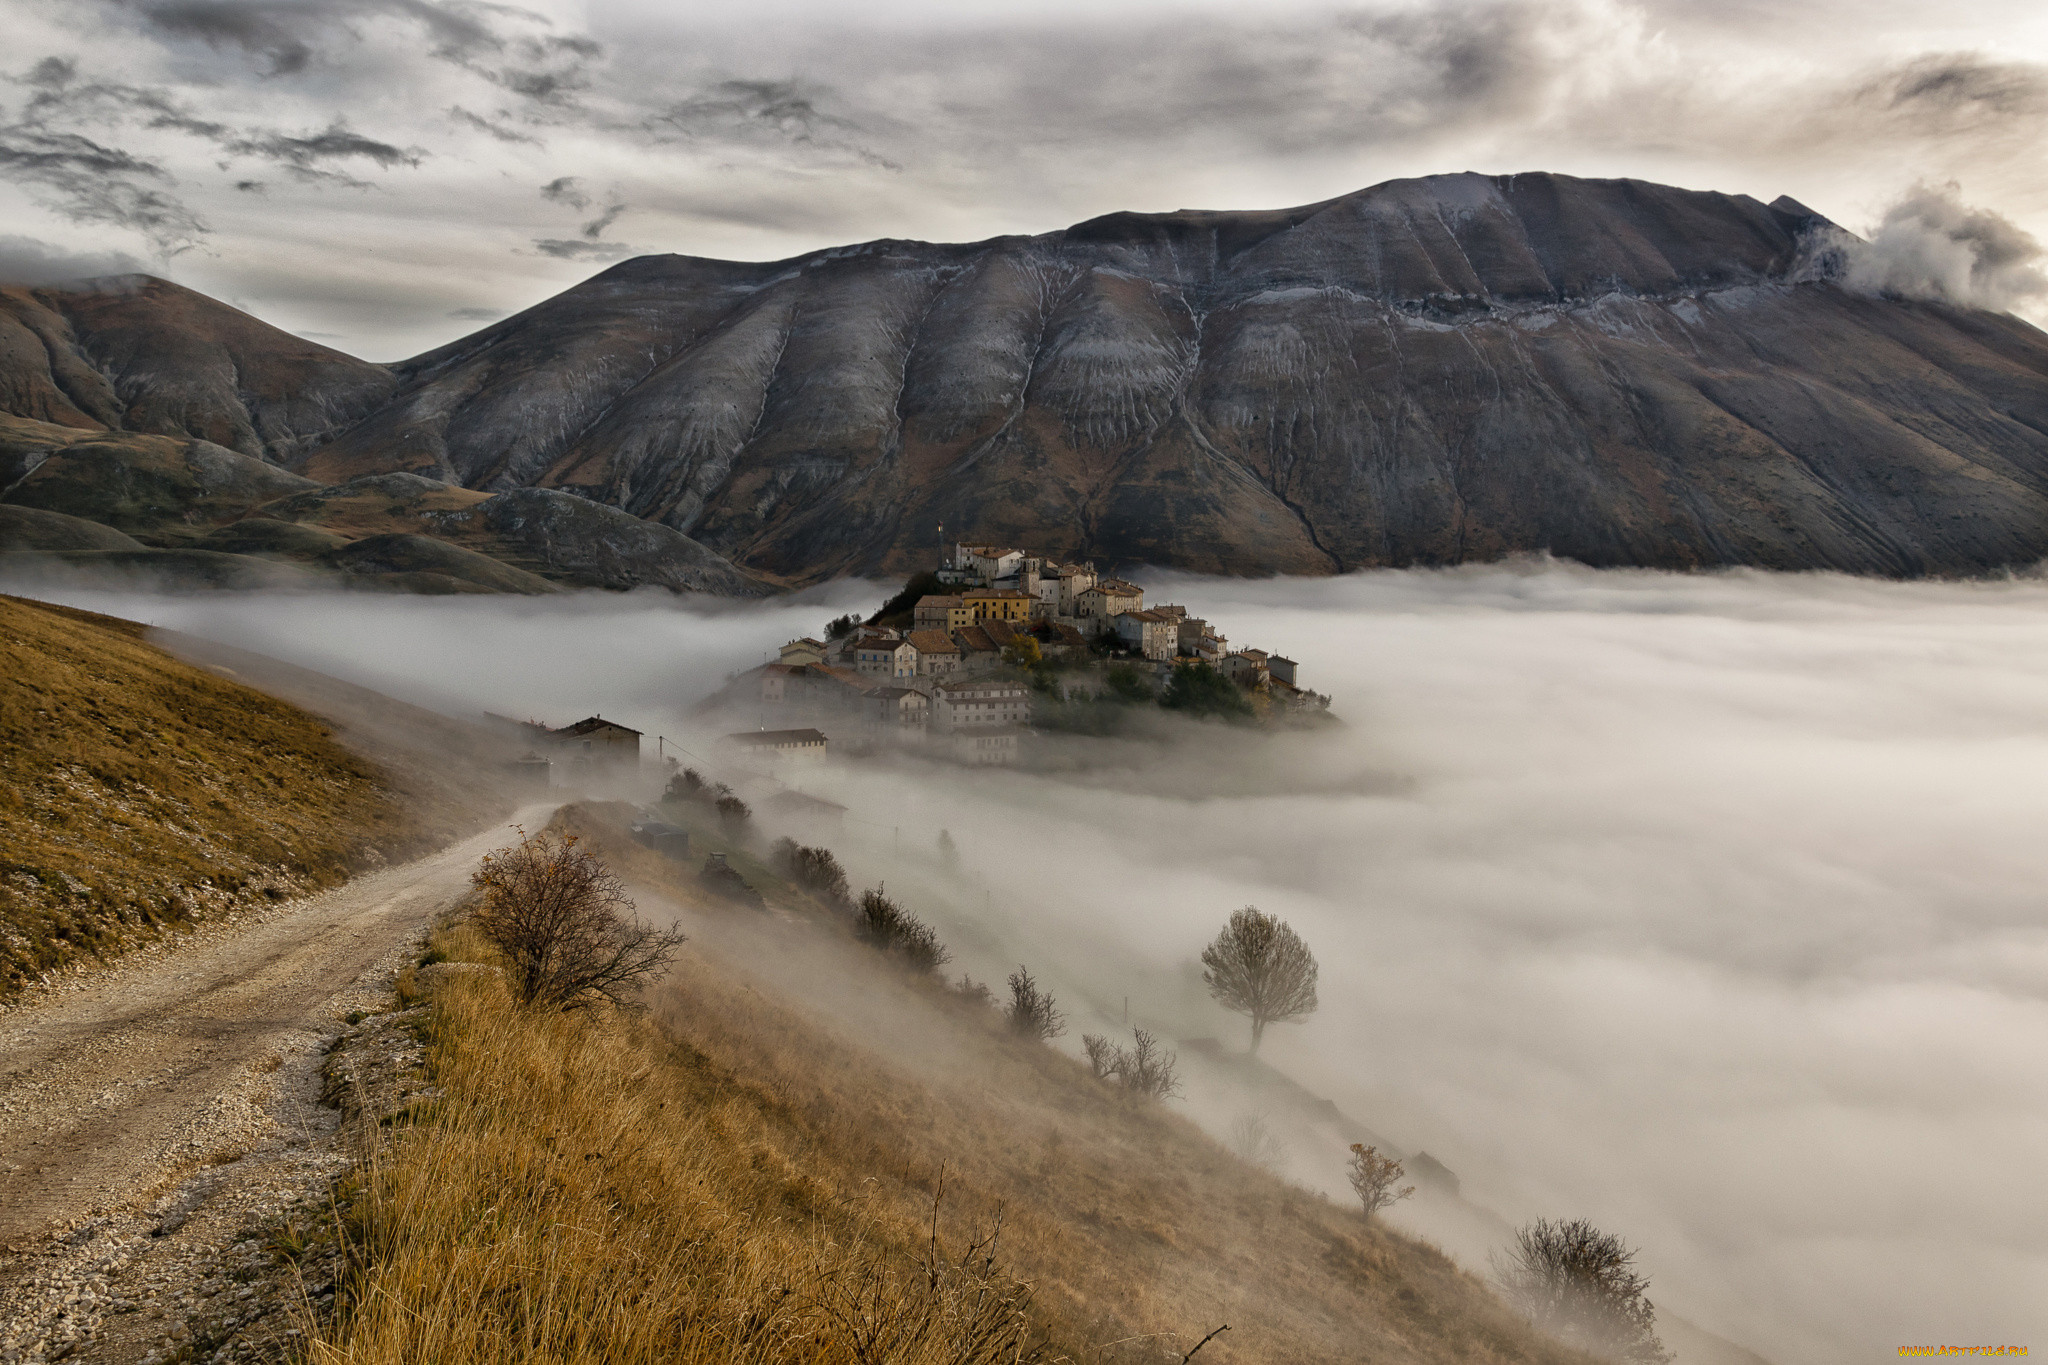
<point>1429,371</point>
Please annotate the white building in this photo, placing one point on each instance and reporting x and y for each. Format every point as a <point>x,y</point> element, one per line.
<point>886,658</point>
<point>778,750</point>
<point>980,703</point>
<point>1152,634</point>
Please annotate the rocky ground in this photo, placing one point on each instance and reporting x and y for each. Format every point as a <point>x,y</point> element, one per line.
<point>172,1128</point>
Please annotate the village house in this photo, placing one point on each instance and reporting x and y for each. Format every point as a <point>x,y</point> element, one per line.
<point>598,740</point>
<point>937,655</point>
<point>810,816</point>
<point>804,651</point>
<point>1281,669</point>
<point>978,653</point>
<point>1000,604</point>
<point>1095,607</point>
<point>897,712</point>
<point>979,703</point>
<point>1074,579</point>
<point>778,750</point>
<point>886,659</point>
<point>1154,636</point>
<point>941,613</point>
<point>1246,667</point>
<point>986,748</point>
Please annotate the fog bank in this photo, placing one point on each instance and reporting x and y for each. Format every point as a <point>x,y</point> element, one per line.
<point>1707,907</point>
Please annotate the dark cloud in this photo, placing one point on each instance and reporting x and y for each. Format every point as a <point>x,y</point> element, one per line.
<point>252,187</point>
<point>87,182</point>
<point>476,314</point>
<point>595,228</point>
<point>53,72</point>
<point>25,260</point>
<point>748,108</point>
<point>492,127</point>
<point>308,158</point>
<point>1952,92</point>
<point>577,249</point>
<point>287,33</point>
<point>563,190</point>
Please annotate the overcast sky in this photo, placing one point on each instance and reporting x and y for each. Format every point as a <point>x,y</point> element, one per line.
<point>384,175</point>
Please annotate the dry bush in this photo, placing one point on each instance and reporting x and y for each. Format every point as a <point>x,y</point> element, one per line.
<point>1252,1139</point>
<point>1101,1054</point>
<point>735,817</point>
<point>1032,1012</point>
<point>1580,1285</point>
<point>560,918</point>
<point>1374,1179</point>
<point>885,924</point>
<point>1146,1067</point>
<point>813,869</point>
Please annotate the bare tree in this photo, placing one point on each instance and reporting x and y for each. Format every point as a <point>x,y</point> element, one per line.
<point>559,916</point>
<point>1260,967</point>
<point>815,870</point>
<point>1101,1054</point>
<point>1146,1067</point>
<point>1373,1179</point>
<point>1580,1285</point>
<point>883,923</point>
<point>1031,1011</point>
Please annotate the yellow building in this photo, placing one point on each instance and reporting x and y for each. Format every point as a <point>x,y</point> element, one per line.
<point>1000,604</point>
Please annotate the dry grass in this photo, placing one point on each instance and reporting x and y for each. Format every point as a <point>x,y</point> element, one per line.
<point>738,1176</point>
<point>139,791</point>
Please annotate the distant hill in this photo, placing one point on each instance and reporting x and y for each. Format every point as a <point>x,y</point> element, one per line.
<point>1429,371</point>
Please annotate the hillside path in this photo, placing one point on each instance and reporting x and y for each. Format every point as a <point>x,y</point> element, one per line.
<point>118,1086</point>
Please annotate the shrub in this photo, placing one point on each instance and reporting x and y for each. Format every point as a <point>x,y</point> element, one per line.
<point>1147,1068</point>
<point>1032,1013</point>
<point>813,869</point>
<point>1373,1178</point>
<point>1579,1284</point>
<point>557,914</point>
<point>1200,690</point>
<point>734,817</point>
<point>975,992</point>
<point>1127,684</point>
<point>1143,1068</point>
<point>839,627</point>
<point>687,785</point>
<point>884,924</point>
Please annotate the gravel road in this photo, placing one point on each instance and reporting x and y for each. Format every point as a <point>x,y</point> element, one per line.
<point>131,1096</point>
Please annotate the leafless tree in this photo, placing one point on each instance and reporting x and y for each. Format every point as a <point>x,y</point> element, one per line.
<point>1101,1054</point>
<point>1147,1067</point>
<point>815,870</point>
<point>1260,967</point>
<point>1374,1179</point>
<point>1580,1285</point>
<point>560,918</point>
<point>1031,1011</point>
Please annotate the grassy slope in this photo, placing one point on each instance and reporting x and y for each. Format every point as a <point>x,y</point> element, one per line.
<point>138,791</point>
<point>748,1174</point>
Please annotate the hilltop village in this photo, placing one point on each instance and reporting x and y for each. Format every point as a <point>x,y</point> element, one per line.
<point>968,658</point>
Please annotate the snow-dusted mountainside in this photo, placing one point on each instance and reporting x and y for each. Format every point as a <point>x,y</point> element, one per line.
<point>1428,371</point>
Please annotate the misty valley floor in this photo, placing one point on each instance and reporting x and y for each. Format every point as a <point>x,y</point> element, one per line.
<point>1697,905</point>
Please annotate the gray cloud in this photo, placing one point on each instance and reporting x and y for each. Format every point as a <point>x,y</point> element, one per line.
<point>25,260</point>
<point>563,190</point>
<point>494,128</point>
<point>87,182</point>
<point>1948,93</point>
<point>578,249</point>
<point>476,314</point>
<point>335,143</point>
<point>595,228</point>
<point>288,33</point>
<point>1930,245</point>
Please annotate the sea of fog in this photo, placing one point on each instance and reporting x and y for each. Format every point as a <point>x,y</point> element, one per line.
<point>1710,908</point>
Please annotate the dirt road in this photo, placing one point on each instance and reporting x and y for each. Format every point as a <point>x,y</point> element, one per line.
<point>115,1090</point>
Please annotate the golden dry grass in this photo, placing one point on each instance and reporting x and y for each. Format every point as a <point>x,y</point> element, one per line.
<point>714,1180</point>
<point>138,791</point>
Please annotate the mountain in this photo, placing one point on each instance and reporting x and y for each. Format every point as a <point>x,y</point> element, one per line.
<point>1430,371</point>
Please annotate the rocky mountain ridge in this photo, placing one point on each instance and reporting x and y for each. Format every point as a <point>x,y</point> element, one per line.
<point>1426,372</point>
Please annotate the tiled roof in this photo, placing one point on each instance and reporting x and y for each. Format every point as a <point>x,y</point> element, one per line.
<point>974,638</point>
<point>759,739</point>
<point>932,642</point>
<point>593,724</point>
